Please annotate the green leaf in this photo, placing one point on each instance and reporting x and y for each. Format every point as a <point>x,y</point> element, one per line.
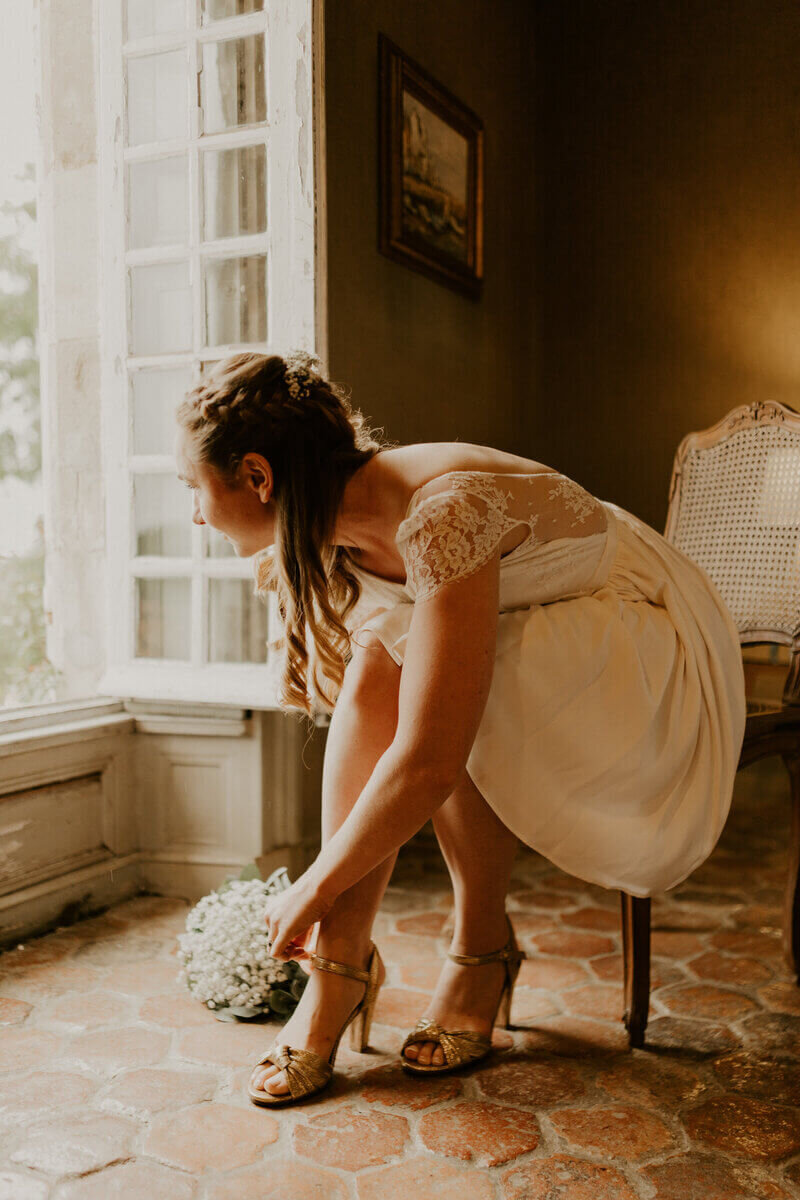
<point>249,872</point>
<point>281,1003</point>
<point>244,1011</point>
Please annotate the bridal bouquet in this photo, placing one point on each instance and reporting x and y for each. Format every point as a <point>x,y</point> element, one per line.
<point>224,956</point>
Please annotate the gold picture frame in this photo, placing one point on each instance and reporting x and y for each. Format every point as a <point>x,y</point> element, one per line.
<point>431,175</point>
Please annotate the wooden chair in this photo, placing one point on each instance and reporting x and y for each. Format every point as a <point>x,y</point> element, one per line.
<point>734,508</point>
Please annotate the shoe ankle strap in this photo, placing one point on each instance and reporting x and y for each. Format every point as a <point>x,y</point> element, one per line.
<point>507,954</point>
<point>320,963</point>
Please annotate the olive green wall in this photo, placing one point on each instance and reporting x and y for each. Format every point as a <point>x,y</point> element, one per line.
<point>422,360</point>
<point>667,155</point>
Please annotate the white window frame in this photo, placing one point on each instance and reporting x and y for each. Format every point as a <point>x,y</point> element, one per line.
<point>296,291</point>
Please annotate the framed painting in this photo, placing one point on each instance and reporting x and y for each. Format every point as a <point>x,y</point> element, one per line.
<point>431,175</point>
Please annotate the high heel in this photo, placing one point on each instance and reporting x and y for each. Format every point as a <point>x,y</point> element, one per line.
<point>462,1047</point>
<point>307,1072</point>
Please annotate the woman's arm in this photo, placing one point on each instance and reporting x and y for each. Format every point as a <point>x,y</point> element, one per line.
<point>444,685</point>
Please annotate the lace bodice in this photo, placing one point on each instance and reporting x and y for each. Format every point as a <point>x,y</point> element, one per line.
<point>452,532</point>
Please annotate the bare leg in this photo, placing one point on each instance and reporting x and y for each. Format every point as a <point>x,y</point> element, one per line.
<point>361,729</point>
<point>479,851</point>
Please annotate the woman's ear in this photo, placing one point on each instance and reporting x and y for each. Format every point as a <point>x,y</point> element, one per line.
<point>258,476</point>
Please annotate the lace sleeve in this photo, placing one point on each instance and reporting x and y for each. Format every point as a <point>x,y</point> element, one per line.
<point>450,536</point>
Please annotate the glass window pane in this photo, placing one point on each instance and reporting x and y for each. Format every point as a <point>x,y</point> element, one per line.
<point>232,88</point>
<point>162,509</point>
<point>163,618</point>
<point>158,202</point>
<point>148,17</point>
<point>161,308</point>
<point>217,546</point>
<point>237,622</point>
<point>158,97</point>
<point>236,309</point>
<point>155,395</point>
<point>235,192</point>
<point>217,10</point>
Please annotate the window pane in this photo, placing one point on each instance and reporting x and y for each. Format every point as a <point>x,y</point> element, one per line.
<point>162,510</point>
<point>157,97</point>
<point>155,395</point>
<point>237,622</point>
<point>236,308</point>
<point>217,546</point>
<point>148,17</point>
<point>235,192</point>
<point>232,83</point>
<point>158,202</point>
<point>161,308</point>
<point>216,10</point>
<point>163,618</point>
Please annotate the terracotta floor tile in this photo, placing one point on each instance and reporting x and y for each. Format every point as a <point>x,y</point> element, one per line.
<point>608,967</point>
<point>351,1140</point>
<point>703,1178</point>
<point>424,1179</point>
<point>753,944</point>
<point>572,945</point>
<point>22,1048</point>
<point>601,920</point>
<point>279,1180</point>
<point>112,1050</point>
<point>25,1096</point>
<point>13,1012</point>
<point>531,1004</point>
<point>674,943</point>
<point>50,979</point>
<point>596,1000</point>
<point>85,1010</point>
<point>427,923</point>
<point>724,969</point>
<point>697,1039</point>
<point>554,974</point>
<point>782,996</point>
<point>773,1079</point>
<point>543,899</point>
<point>537,1083</point>
<point>211,1137</point>
<point>400,1007</point>
<point>422,975</point>
<point>772,1033</point>
<point>653,1082</point>
<point>129,1181</point>
<point>74,1145</point>
<point>145,979</point>
<point>704,1000</point>
<point>620,1132</point>
<point>113,952</point>
<point>484,1134</point>
<point>743,1126</point>
<point>176,1012</point>
<point>227,1044</point>
<point>564,1178</point>
<point>14,1186</point>
<point>392,1086</point>
<point>576,1037</point>
<point>152,1089</point>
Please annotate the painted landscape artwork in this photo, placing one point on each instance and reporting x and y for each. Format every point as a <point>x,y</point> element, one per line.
<point>435,180</point>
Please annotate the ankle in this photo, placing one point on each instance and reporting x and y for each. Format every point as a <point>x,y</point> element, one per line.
<point>479,933</point>
<point>354,951</point>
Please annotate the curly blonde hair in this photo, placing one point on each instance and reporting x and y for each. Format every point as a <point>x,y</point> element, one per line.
<point>314,440</point>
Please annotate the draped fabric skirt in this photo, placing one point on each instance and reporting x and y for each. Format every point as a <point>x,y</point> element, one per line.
<point>612,731</point>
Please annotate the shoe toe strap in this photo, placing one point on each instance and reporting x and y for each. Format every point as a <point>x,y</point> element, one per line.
<point>305,1071</point>
<point>458,1045</point>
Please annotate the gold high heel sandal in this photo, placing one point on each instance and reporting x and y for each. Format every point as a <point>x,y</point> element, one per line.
<point>463,1046</point>
<point>306,1072</point>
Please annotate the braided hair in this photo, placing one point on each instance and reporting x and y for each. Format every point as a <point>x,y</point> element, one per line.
<point>305,426</point>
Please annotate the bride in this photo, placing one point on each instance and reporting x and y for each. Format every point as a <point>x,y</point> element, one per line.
<point>498,650</point>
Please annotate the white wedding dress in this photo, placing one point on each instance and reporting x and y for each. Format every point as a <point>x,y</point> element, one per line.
<point>612,730</point>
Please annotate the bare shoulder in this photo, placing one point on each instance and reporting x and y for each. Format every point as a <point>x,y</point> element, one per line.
<point>419,463</point>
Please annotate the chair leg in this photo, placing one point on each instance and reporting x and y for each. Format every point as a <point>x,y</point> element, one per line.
<point>791,921</point>
<point>636,960</point>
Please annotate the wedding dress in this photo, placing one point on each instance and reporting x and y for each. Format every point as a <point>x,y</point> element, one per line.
<point>611,734</point>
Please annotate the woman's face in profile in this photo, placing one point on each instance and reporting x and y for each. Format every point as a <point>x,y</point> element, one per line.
<point>243,512</point>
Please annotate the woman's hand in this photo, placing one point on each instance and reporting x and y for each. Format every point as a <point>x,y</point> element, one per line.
<point>290,916</point>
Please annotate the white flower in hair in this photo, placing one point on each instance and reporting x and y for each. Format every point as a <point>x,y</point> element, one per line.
<point>299,367</point>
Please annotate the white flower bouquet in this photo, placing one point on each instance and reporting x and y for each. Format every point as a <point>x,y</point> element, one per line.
<point>223,953</point>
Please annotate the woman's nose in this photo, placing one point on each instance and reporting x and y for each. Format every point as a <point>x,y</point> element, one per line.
<point>197,516</point>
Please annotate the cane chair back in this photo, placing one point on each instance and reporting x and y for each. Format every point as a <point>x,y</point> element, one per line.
<point>735,511</point>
